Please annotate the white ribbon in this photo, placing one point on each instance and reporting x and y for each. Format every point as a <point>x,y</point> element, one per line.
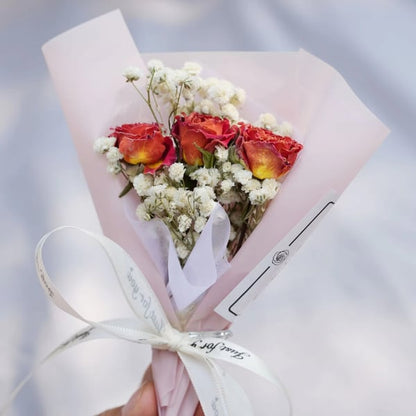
<point>218,393</point>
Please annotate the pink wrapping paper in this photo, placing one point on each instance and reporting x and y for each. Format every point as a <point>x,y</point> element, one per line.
<point>338,131</point>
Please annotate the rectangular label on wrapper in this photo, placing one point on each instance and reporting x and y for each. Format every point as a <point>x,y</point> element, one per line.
<point>254,283</point>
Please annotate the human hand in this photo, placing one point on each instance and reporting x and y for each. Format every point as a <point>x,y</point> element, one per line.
<point>143,402</point>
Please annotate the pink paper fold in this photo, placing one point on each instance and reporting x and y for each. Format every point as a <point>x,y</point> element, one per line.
<point>338,131</point>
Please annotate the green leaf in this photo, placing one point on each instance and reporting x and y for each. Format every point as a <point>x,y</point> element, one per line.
<point>126,189</point>
<point>233,156</point>
<point>191,169</point>
<point>207,157</point>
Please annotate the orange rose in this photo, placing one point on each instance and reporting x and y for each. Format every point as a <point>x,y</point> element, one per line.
<point>204,131</point>
<point>266,154</point>
<point>144,143</point>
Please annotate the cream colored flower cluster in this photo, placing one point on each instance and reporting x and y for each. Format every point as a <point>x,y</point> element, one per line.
<point>186,209</point>
<point>268,121</point>
<point>186,91</point>
<point>106,145</point>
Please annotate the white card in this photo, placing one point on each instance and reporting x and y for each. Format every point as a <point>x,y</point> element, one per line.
<point>252,285</point>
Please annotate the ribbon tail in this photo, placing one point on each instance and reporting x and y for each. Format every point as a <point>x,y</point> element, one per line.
<point>236,398</point>
<point>257,366</point>
<point>219,394</point>
<point>232,353</point>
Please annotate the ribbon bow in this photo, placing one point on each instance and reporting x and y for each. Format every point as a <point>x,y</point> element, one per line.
<point>218,393</point>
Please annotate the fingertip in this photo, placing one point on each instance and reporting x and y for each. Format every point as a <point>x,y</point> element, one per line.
<point>142,403</point>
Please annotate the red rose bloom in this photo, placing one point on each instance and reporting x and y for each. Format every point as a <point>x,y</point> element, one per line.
<point>144,143</point>
<point>201,130</point>
<point>266,154</point>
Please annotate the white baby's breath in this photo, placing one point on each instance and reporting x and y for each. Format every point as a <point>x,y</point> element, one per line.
<point>176,171</point>
<point>182,198</point>
<point>236,167</point>
<point>270,187</point>
<point>220,92</point>
<point>226,185</point>
<point>114,155</point>
<point>170,193</point>
<point>239,97</point>
<point>203,194</point>
<point>221,153</point>
<point>230,197</point>
<point>267,192</point>
<point>206,106</point>
<point>132,73</point>
<point>192,68</point>
<point>267,121</point>
<point>200,224</point>
<point>114,168</point>
<point>230,111</point>
<point>188,95</point>
<point>155,65</point>
<point>165,84</point>
<point>181,76</point>
<point>207,208</point>
<point>242,176</point>
<point>182,250</point>
<point>206,84</point>
<point>102,144</point>
<point>251,185</point>
<point>193,83</point>
<point>142,183</point>
<point>285,129</point>
<point>160,179</point>
<point>257,197</point>
<point>157,190</point>
<point>205,176</point>
<point>142,212</point>
<point>184,223</point>
<point>226,167</point>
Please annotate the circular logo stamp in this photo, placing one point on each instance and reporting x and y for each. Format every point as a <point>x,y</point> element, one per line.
<point>280,257</point>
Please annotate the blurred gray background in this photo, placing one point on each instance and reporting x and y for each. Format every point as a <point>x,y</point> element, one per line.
<point>337,325</point>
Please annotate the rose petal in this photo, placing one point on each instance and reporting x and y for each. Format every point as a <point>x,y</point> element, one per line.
<point>264,160</point>
<point>147,151</point>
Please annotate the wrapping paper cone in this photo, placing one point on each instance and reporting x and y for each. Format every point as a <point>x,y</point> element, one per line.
<point>339,134</point>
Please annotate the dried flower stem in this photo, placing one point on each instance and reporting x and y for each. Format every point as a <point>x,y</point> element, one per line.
<point>148,102</point>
